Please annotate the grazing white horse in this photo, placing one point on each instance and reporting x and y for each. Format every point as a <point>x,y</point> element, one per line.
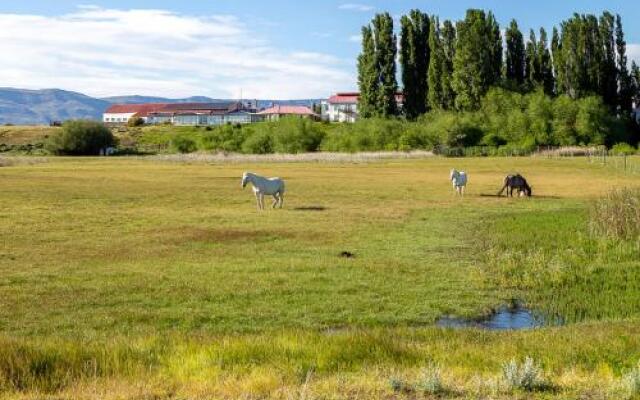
<point>459,181</point>
<point>265,187</point>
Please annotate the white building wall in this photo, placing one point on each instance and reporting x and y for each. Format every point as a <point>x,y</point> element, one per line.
<point>342,112</point>
<point>120,118</point>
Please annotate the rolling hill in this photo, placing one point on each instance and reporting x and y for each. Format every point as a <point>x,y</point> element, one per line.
<point>37,107</point>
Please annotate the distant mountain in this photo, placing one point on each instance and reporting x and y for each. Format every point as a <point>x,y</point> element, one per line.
<point>35,107</point>
<point>135,99</point>
<point>25,107</point>
<point>202,99</point>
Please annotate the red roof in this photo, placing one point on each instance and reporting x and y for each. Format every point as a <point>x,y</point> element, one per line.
<point>352,98</point>
<point>287,110</point>
<point>141,110</point>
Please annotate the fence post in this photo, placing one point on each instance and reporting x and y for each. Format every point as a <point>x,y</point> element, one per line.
<point>625,163</point>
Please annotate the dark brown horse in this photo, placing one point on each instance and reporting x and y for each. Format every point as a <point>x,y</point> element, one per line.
<point>517,182</point>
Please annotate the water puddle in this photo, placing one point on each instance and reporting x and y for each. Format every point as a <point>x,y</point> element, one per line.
<point>503,319</point>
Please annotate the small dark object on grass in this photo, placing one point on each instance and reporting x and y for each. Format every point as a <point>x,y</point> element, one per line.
<point>310,208</point>
<point>347,254</point>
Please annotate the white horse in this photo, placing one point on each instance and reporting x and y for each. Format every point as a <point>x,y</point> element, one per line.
<point>459,181</point>
<point>265,186</point>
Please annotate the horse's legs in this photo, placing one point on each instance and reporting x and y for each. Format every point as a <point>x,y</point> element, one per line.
<point>261,201</point>
<point>258,200</point>
<point>462,191</point>
<point>276,200</point>
<point>281,196</point>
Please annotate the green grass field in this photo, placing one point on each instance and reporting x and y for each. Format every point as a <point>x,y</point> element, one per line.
<point>133,278</point>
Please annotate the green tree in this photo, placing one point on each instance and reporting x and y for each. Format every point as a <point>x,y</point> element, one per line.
<point>624,80</point>
<point>558,66</point>
<point>547,80</point>
<point>635,83</point>
<point>494,39</point>
<point>436,63</point>
<point>608,69</point>
<point>474,69</point>
<point>367,75</point>
<point>532,63</point>
<point>449,47</point>
<point>515,56</point>
<point>385,61</point>
<point>414,59</point>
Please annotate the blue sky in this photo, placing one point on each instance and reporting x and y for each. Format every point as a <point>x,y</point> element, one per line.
<point>220,48</point>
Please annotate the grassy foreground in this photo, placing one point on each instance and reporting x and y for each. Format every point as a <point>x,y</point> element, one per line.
<point>125,278</point>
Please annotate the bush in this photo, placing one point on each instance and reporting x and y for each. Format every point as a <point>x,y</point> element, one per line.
<point>184,144</point>
<point>526,376</point>
<point>431,381</point>
<point>81,137</point>
<point>623,149</point>
<point>225,138</point>
<point>617,216</point>
<point>258,143</point>
<point>632,381</point>
<point>135,121</point>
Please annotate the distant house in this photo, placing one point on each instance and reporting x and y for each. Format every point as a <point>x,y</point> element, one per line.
<point>276,112</point>
<point>183,114</point>
<point>343,107</point>
<point>120,114</point>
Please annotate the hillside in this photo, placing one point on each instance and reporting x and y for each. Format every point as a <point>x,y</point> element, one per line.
<point>37,107</point>
<point>23,107</point>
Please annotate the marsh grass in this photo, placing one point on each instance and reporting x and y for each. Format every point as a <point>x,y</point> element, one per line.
<point>527,376</point>
<point>617,215</point>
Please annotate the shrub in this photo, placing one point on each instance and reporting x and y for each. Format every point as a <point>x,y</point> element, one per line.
<point>135,121</point>
<point>184,144</point>
<point>431,381</point>
<point>81,137</point>
<point>623,149</point>
<point>258,143</point>
<point>632,381</point>
<point>526,376</point>
<point>617,215</point>
<point>225,138</point>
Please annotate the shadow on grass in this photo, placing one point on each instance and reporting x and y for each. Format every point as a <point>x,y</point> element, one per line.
<point>310,208</point>
<point>506,197</point>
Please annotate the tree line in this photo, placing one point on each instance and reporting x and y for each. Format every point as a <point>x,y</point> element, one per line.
<point>447,66</point>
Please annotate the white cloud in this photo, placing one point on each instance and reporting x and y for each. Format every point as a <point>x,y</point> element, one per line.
<point>105,52</point>
<point>356,7</point>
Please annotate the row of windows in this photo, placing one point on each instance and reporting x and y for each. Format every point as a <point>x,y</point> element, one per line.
<point>116,119</point>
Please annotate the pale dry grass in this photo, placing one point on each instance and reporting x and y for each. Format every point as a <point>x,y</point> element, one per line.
<point>12,161</point>
<point>322,157</point>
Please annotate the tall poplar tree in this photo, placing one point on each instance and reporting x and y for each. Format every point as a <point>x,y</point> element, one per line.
<point>414,59</point>
<point>436,63</point>
<point>515,57</point>
<point>544,62</point>
<point>368,80</point>
<point>608,70</point>
<point>385,57</point>
<point>473,69</point>
<point>449,41</point>
<point>624,81</point>
<point>532,64</point>
<point>494,38</point>
<point>558,66</point>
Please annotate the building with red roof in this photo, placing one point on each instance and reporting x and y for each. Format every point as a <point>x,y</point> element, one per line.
<point>182,113</point>
<point>277,111</point>
<point>343,107</point>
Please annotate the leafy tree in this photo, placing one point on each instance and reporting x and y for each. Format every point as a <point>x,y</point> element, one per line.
<point>474,69</point>
<point>449,40</point>
<point>414,58</point>
<point>532,64</point>
<point>608,69</point>
<point>437,61</point>
<point>367,75</point>
<point>547,80</point>
<point>624,80</point>
<point>515,55</point>
<point>385,61</point>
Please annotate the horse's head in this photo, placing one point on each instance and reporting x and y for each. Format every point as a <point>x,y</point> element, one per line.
<point>454,174</point>
<point>245,179</point>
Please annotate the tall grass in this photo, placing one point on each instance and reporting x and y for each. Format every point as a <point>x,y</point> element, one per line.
<point>617,215</point>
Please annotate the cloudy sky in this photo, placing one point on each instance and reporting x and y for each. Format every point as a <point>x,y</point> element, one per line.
<point>278,49</point>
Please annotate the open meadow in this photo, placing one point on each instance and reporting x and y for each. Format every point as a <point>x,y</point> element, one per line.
<point>151,279</point>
